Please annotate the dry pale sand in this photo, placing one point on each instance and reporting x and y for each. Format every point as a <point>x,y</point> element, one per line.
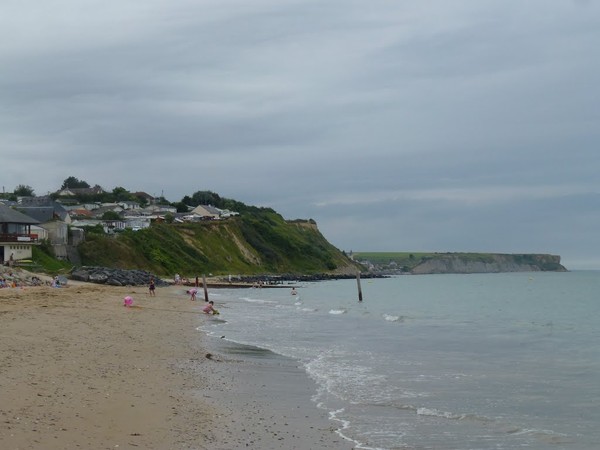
<point>78,370</point>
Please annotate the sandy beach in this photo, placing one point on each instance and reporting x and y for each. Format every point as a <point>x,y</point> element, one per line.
<point>78,370</point>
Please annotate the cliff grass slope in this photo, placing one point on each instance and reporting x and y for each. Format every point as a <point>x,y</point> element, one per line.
<point>257,243</point>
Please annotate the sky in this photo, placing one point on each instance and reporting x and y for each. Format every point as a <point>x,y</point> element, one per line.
<point>430,125</point>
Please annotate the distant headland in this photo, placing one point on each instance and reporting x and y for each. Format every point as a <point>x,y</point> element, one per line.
<point>462,263</point>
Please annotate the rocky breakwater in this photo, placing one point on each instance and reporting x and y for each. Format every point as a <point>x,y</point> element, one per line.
<point>115,277</point>
<point>489,263</point>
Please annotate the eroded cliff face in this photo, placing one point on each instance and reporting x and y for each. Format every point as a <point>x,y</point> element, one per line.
<point>496,263</point>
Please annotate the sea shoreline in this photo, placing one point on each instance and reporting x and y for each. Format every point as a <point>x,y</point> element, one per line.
<point>268,401</point>
<point>80,370</point>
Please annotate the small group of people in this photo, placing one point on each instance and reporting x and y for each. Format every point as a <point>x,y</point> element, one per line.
<point>56,282</point>
<point>178,279</point>
<point>14,283</point>
<point>4,283</point>
<point>208,308</point>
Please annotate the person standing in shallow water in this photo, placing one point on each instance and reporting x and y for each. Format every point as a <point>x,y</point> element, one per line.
<point>152,287</point>
<point>209,308</point>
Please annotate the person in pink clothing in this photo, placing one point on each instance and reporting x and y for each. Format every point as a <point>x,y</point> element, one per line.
<point>193,293</point>
<point>209,308</point>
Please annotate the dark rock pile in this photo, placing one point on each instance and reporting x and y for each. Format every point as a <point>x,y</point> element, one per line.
<point>115,277</point>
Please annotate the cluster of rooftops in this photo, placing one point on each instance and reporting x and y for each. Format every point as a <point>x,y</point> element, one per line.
<point>131,214</point>
<point>28,220</point>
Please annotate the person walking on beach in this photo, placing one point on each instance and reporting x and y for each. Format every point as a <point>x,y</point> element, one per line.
<point>197,281</point>
<point>152,287</point>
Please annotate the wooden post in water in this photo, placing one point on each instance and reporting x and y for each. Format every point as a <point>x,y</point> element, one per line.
<point>205,289</point>
<point>359,289</point>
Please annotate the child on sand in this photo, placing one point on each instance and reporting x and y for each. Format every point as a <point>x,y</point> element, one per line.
<point>193,293</point>
<point>152,287</point>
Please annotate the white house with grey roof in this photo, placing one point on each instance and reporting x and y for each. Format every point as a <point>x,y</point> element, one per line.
<point>206,212</point>
<point>16,236</point>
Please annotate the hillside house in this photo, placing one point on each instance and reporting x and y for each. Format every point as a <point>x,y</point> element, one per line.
<point>225,213</point>
<point>42,200</point>
<point>144,197</point>
<point>128,205</point>
<point>106,207</point>
<point>46,213</point>
<point>16,237</point>
<point>54,220</point>
<point>75,192</point>
<point>206,212</point>
<point>80,213</point>
<point>109,226</point>
<point>159,209</point>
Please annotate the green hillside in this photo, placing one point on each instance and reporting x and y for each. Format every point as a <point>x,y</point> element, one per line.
<point>253,243</point>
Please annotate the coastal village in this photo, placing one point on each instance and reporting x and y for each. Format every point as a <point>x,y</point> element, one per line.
<point>60,220</point>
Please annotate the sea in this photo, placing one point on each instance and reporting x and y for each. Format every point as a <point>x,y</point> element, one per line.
<point>480,361</point>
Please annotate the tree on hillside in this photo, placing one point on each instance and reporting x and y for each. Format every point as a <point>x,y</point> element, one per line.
<point>23,191</point>
<point>122,194</point>
<point>143,201</point>
<point>205,198</point>
<point>181,207</point>
<point>162,200</point>
<point>74,183</point>
<point>211,198</point>
<point>111,215</point>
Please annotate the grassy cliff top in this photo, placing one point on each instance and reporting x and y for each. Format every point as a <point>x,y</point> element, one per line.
<point>256,243</point>
<point>493,262</point>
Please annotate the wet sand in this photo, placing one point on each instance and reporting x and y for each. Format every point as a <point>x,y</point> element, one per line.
<point>78,370</point>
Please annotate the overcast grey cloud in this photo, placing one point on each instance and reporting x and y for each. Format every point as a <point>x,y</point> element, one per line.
<point>464,125</point>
